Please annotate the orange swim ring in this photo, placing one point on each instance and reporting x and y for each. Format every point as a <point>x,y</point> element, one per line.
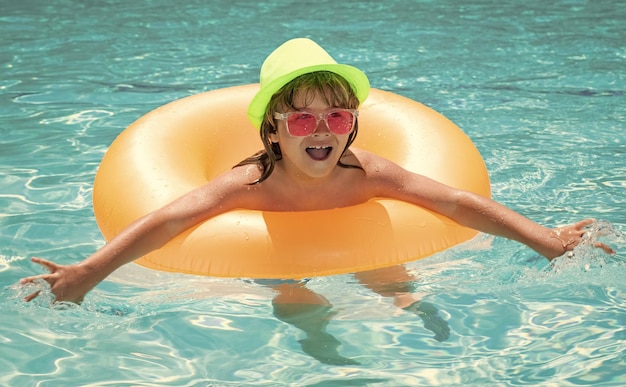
<point>184,144</point>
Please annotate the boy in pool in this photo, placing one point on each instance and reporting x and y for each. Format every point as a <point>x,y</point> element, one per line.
<point>306,110</point>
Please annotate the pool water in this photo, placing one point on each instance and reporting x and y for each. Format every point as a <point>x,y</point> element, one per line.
<point>538,86</point>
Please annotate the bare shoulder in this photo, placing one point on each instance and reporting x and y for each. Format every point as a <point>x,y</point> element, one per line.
<point>377,166</point>
<point>232,189</point>
<point>389,179</point>
<point>241,176</point>
<point>241,179</point>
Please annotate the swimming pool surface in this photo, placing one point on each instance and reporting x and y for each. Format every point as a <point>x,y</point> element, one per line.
<point>538,86</point>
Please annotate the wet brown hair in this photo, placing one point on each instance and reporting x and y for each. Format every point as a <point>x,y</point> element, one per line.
<point>336,92</point>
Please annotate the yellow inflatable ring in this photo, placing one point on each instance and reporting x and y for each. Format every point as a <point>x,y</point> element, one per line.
<point>186,143</point>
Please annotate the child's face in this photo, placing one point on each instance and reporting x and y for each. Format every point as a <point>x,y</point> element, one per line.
<point>312,156</point>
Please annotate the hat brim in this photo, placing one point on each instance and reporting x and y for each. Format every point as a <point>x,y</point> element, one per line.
<point>355,77</point>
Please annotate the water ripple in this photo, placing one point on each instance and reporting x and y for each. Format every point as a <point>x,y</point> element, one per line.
<point>541,97</point>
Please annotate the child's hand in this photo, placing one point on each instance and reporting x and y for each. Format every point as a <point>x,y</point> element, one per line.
<point>67,283</point>
<point>571,235</point>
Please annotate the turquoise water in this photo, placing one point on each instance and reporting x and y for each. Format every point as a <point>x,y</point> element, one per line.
<point>539,86</point>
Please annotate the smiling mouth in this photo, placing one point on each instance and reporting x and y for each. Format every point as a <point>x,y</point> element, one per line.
<point>319,153</point>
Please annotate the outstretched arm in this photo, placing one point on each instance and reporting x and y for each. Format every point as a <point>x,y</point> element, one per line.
<point>72,282</point>
<point>480,213</point>
<point>488,216</point>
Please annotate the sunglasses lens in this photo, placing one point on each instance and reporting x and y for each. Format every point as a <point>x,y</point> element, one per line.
<point>340,121</point>
<point>301,124</point>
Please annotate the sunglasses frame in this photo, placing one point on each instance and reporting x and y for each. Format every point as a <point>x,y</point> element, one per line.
<point>318,117</point>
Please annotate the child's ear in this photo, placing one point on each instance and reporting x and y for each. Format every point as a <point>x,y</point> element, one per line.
<point>273,136</point>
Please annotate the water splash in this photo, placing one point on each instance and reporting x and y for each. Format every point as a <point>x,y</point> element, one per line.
<point>588,255</point>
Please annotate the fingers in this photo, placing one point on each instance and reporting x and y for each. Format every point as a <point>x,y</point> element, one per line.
<point>32,296</point>
<point>571,235</point>
<point>37,281</point>
<point>50,266</point>
<point>580,226</point>
<point>584,223</point>
<point>33,279</point>
<point>604,247</point>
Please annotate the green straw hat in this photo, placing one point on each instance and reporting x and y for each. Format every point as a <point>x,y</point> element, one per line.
<point>292,59</point>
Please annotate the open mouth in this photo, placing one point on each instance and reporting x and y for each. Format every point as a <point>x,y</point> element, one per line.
<point>319,153</point>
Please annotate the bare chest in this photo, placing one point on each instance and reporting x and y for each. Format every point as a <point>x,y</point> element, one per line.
<point>285,197</point>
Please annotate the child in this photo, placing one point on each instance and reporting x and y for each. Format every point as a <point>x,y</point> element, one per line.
<point>306,111</point>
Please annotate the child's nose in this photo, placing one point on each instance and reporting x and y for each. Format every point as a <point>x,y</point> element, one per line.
<point>321,129</point>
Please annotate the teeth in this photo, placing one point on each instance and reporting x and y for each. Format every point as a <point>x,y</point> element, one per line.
<point>319,147</point>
